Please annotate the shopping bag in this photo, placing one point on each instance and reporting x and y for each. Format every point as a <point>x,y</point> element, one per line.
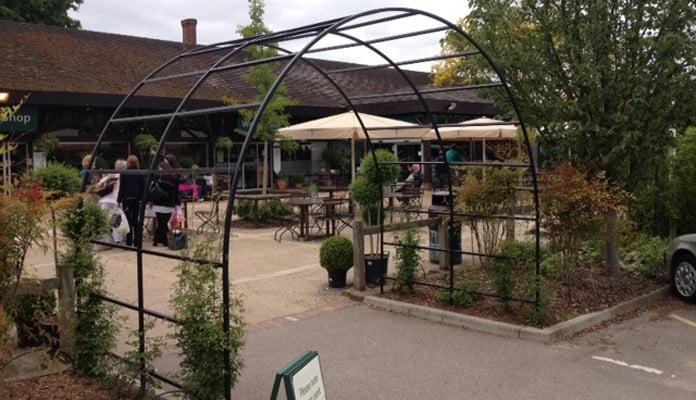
<point>176,221</point>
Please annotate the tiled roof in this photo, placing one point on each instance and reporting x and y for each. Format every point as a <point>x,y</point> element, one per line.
<point>40,58</point>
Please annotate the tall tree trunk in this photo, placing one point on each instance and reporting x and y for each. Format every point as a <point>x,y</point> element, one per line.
<point>612,245</point>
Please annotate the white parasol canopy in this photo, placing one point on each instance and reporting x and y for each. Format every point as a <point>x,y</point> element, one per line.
<point>476,129</point>
<point>347,126</point>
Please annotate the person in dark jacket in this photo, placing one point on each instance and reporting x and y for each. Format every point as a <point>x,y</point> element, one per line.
<point>441,170</point>
<point>129,195</point>
<point>164,202</point>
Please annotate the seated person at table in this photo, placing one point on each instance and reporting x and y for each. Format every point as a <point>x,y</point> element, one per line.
<point>414,178</point>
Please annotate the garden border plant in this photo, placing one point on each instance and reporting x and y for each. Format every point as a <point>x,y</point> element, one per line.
<point>205,348</point>
<point>95,325</point>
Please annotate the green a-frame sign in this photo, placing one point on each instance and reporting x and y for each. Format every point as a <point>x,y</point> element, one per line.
<point>302,379</point>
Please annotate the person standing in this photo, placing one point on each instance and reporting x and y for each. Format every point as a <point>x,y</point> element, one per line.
<point>108,202</point>
<point>164,197</point>
<point>129,195</point>
<point>453,155</point>
<point>85,178</point>
<point>441,169</point>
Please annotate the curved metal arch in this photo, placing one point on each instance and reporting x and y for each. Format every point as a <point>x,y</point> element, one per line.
<point>317,32</point>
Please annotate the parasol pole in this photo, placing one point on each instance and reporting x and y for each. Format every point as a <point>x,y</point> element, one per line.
<point>352,158</point>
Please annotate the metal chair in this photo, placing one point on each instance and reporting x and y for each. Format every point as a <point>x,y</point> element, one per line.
<point>210,217</point>
<point>289,223</point>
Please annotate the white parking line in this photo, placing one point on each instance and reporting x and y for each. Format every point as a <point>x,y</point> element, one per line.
<point>683,320</point>
<point>624,364</point>
<point>275,274</point>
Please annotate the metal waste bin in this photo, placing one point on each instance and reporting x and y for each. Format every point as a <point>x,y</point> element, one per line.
<point>439,208</point>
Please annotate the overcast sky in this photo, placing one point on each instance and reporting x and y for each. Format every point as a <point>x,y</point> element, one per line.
<point>218,20</point>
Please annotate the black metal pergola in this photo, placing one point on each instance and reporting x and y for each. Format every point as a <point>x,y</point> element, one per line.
<point>223,68</point>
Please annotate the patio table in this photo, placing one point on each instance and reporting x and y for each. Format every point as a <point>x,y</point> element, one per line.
<point>326,212</point>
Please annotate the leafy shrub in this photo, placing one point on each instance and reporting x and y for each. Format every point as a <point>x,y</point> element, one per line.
<point>408,259</point>
<point>645,256</point>
<point>486,192</point>
<point>96,327</point>
<point>467,290</point>
<point>143,142</point>
<point>572,208</point>
<point>60,179</point>
<point>20,219</point>
<point>186,161</point>
<point>270,209</point>
<point>513,258</point>
<point>201,336</point>
<point>336,253</point>
<point>47,144</point>
<point>273,209</point>
<point>536,315</point>
<point>682,190</point>
<point>245,209</point>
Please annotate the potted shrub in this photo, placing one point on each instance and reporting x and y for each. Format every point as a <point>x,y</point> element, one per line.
<point>336,257</point>
<point>298,180</point>
<point>44,148</point>
<point>143,142</point>
<point>282,182</point>
<point>366,191</point>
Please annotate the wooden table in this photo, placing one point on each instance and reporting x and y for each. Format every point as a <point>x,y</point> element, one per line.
<point>303,204</point>
<point>406,196</point>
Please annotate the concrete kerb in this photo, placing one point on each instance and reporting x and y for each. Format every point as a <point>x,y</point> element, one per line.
<point>546,335</point>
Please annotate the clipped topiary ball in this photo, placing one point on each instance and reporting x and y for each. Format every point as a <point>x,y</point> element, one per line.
<point>336,253</point>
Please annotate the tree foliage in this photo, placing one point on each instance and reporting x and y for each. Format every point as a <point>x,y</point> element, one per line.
<point>603,80</point>
<point>681,188</point>
<point>573,210</point>
<point>263,76</point>
<point>47,12</point>
<point>485,194</point>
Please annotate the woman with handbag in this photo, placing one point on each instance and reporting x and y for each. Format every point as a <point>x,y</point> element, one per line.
<point>129,194</point>
<point>163,193</point>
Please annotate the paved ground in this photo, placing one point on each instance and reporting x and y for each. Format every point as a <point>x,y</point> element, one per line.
<point>374,354</point>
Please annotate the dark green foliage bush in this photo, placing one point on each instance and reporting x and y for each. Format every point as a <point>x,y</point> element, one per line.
<point>537,315</point>
<point>644,255</point>
<point>513,259</point>
<point>95,328</point>
<point>201,336</point>
<point>467,290</point>
<point>60,179</point>
<point>186,161</point>
<point>682,189</point>
<point>270,209</point>
<point>85,223</point>
<point>28,308</point>
<point>245,209</point>
<point>366,189</point>
<point>408,259</point>
<point>336,253</point>
<point>47,144</point>
<point>143,142</point>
